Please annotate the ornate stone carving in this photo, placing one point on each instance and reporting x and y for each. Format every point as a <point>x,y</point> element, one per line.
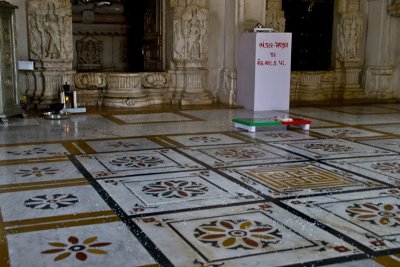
<point>89,53</point>
<point>228,88</point>
<point>50,29</point>
<point>349,38</point>
<point>275,17</point>
<point>312,85</point>
<point>190,27</point>
<point>90,80</point>
<point>155,80</point>
<point>378,82</point>
<point>394,9</point>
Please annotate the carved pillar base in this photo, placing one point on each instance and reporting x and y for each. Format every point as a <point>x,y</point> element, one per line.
<point>53,80</point>
<point>312,86</point>
<point>89,88</point>
<point>156,85</point>
<point>188,87</point>
<point>227,87</point>
<point>124,90</point>
<point>348,84</point>
<point>377,82</point>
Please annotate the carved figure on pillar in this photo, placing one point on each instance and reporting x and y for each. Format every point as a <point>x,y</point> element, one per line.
<point>191,35</point>
<point>275,17</point>
<point>349,34</point>
<point>50,47</point>
<point>90,53</point>
<point>50,36</point>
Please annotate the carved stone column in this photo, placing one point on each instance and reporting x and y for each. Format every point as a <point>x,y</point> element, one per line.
<point>275,16</point>
<point>349,38</point>
<point>378,74</point>
<point>50,47</point>
<point>188,85</point>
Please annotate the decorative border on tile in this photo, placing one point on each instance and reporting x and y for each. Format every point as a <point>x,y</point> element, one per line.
<point>186,229</point>
<point>288,180</point>
<point>203,139</point>
<point>382,169</point>
<point>223,156</point>
<point>370,232</point>
<point>175,192</point>
<point>349,133</point>
<point>131,163</point>
<point>330,149</point>
<point>354,110</point>
<point>113,118</point>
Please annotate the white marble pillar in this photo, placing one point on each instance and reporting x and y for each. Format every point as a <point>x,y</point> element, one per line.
<point>348,54</point>
<point>50,47</point>
<point>378,70</point>
<point>188,83</point>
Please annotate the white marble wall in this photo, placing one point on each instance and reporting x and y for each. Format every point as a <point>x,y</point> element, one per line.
<point>229,18</point>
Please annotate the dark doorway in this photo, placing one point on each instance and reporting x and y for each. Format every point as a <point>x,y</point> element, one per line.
<point>145,43</point>
<point>310,22</point>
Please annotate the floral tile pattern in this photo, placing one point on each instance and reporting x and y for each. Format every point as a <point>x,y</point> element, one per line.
<point>185,188</point>
<point>204,139</point>
<point>122,145</point>
<point>174,191</point>
<point>372,218</point>
<point>297,179</point>
<point>38,172</point>
<point>108,244</point>
<point>331,148</point>
<point>392,144</point>
<point>239,155</point>
<point>346,132</point>
<point>106,165</point>
<point>384,169</point>
<point>236,236</point>
<point>276,136</point>
<point>50,202</point>
<point>32,151</point>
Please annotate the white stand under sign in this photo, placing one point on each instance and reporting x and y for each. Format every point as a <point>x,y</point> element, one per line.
<point>263,71</point>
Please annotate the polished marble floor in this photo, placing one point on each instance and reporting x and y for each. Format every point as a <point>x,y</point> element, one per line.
<point>183,187</point>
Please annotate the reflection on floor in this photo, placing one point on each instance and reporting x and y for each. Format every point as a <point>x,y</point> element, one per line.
<point>184,188</point>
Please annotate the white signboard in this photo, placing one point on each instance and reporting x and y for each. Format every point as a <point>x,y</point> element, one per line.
<point>263,65</point>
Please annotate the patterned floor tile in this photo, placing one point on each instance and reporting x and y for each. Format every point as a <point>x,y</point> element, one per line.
<point>298,179</point>
<point>122,145</point>
<point>203,139</point>
<point>388,128</point>
<point>108,244</point>
<point>385,169</point>
<point>154,117</point>
<point>126,163</point>
<point>372,218</point>
<point>51,202</point>
<point>38,172</point>
<point>276,136</point>
<point>239,155</point>
<point>331,148</point>
<point>172,192</point>
<point>346,132</point>
<point>32,151</point>
<point>392,144</point>
<point>249,235</point>
<point>361,110</point>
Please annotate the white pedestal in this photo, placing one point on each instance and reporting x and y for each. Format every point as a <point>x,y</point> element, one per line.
<point>263,71</point>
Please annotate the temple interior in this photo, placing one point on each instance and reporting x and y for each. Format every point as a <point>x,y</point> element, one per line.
<point>118,145</point>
